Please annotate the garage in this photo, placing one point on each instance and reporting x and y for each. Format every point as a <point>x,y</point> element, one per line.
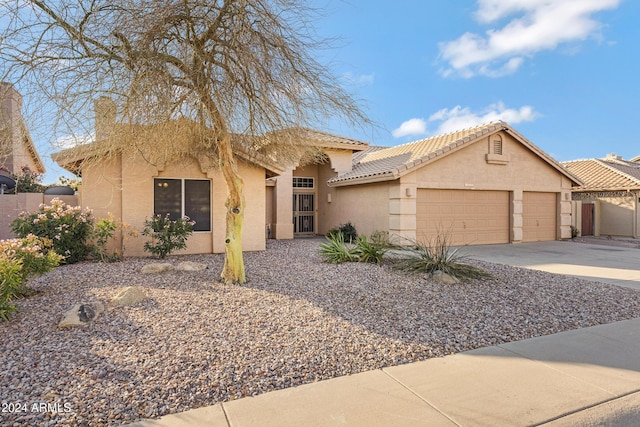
<point>538,216</point>
<point>469,217</point>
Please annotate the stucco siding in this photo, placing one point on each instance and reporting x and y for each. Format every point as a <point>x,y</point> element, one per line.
<point>468,169</point>
<point>365,206</point>
<point>125,189</point>
<point>617,216</point>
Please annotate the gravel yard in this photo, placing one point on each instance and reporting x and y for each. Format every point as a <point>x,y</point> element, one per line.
<point>196,342</point>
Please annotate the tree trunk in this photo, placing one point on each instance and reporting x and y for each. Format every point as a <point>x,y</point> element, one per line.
<point>233,271</point>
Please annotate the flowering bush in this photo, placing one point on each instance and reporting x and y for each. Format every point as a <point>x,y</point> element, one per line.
<point>20,258</point>
<point>68,227</point>
<point>35,254</point>
<point>10,282</point>
<point>166,235</point>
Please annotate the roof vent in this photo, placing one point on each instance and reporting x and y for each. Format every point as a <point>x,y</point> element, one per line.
<point>612,156</point>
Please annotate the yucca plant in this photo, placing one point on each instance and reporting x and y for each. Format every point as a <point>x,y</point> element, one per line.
<point>335,250</point>
<point>372,249</point>
<point>438,255</point>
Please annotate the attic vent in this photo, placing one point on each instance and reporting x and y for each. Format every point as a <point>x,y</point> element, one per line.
<point>497,145</point>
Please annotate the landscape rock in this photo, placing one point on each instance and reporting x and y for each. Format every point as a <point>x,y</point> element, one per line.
<point>128,296</point>
<point>81,315</point>
<point>191,266</point>
<point>156,268</point>
<point>444,278</point>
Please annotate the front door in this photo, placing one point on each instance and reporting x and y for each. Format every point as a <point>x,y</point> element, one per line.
<point>304,214</point>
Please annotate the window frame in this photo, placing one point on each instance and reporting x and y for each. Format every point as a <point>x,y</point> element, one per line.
<point>183,198</point>
<point>308,178</point>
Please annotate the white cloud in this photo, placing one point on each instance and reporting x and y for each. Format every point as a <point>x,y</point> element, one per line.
<point>73,141</point>
<point>411,127</point>
<point>358,80</point>
<point>458,117</point>
<point>537,25</point>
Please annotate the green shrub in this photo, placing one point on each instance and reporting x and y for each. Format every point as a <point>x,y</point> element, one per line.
<point>438,255</point>
<point>372,249</point>
<point>35,254</point>
<point>28,182</point>
<point>10,283</point>
<point>68,227</point>
<point>166,235</point>
<point>19,259</point>
<point>348,232</point>
<point>335,250</point>
<point>574,232</point>
<point>103,232</point>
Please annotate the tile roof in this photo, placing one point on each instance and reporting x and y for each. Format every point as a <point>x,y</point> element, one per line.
<point>636,159</point>
<point>390,163</point>
<point>609,174</point>
<point>321,139</point>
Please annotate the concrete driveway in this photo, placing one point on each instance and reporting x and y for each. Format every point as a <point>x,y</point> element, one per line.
<point>596,262</point>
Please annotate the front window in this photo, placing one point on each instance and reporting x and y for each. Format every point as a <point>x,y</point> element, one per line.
<point>184,197</point>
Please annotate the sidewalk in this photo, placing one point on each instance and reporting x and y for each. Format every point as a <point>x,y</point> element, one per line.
<point>583,377</point>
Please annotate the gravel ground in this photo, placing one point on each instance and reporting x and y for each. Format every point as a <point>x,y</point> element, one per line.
<point>196,342</point>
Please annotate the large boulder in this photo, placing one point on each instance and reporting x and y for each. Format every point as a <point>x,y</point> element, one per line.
<point>128,296</point>
<point>191,266</point>
<point>158,267</point>
<point>81,315</point>
<point>442,277</point>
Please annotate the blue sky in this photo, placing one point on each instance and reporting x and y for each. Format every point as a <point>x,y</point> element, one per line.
<point>564,73</point>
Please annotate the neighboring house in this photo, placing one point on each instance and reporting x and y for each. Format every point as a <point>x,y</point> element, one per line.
<point>636,159</point>
<point>607,204</point>
<point>17,151</point>
<point>484,185</point>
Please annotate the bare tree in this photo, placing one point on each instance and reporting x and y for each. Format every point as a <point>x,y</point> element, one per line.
<point>244,67</point>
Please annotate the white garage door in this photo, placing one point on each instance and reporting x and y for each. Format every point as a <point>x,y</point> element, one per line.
<point>538,216</point>
<point>468,217</point>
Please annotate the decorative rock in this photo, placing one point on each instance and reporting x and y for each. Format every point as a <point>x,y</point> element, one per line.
<point>191,266</point>
<point>81,315</point>
<point>128,296</point>
<point>158,267</point>
<point>442,277</point>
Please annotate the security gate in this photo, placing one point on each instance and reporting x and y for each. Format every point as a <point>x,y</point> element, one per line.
<point>303,214</point>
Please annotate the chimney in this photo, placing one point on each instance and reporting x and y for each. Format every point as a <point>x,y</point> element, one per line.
<point>612,156</point>
<point>105,111</point>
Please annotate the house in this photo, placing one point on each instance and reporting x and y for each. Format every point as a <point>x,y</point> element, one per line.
<point>483,185</point>
<point>17,151</point>
<point>606,204</point>
<point>488,184</point>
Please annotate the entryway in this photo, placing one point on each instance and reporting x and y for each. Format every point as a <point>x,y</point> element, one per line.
<point>304,214</point>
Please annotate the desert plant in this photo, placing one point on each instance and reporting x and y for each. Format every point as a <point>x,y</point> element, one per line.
<point>574,232</point>
<point>166,235</point>
<point>68,227</point>
<point>372,249</point>
<point>35,254</point>
<point>10,282</point>
<point>20,258</point>
<point>335,250</point>
<point>103,232</point>
<point>28,182</point>
<point>438,255</point>
<point>348,232</point>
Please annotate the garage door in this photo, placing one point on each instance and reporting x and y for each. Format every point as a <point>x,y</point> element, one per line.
<point>468,217</point>
<point>538,216</point>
